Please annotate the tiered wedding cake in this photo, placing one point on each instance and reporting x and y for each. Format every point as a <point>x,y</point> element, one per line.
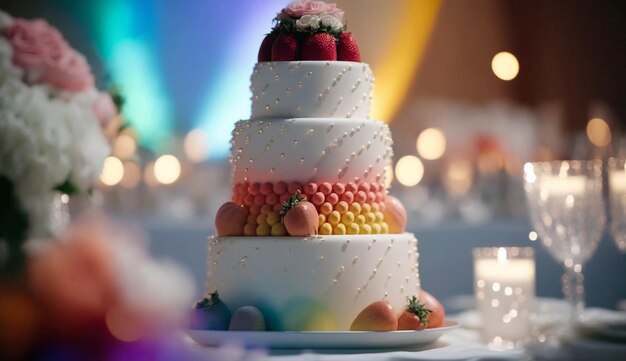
<point>310,137</point>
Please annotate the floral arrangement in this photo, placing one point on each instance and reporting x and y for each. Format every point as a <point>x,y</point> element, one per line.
<point>312,17</point>
<point>95,293</point>
<point>309,30</point>
<point>52,127</point>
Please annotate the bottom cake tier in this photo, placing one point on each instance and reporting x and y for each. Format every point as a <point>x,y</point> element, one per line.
<point>316,283</point>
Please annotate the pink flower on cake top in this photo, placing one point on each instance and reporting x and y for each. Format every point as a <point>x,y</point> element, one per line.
<point>299,8</point>
<point>309,30</point>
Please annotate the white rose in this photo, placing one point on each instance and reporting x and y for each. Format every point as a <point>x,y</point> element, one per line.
<point>331,21</point>
<point>308,22</point>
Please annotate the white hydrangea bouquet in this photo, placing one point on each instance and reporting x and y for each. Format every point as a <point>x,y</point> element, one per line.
<point>52,121</point>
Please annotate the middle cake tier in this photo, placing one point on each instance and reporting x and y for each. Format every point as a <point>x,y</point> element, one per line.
<point>310,150</point>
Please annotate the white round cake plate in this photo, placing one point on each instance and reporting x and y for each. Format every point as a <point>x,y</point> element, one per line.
<point>322,339</point>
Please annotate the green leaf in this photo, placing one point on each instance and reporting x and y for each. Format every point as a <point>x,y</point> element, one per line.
<point>13,228</point>
<point>67,187</point>
<point>287,205</point>
<point>418,309</point>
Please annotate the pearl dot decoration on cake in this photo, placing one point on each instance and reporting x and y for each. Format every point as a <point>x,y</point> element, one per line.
<point>308,95</point>
<point>346,155</point>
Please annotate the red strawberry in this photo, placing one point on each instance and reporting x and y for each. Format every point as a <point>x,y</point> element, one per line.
<point>348,49</point>
<point>299,216</point>
<point>265,51</point>
<point>320,46</point>
<point>415,316</point>
<point>285,48</point>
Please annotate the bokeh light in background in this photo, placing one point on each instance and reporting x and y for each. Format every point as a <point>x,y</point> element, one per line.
<point>598,132</point>
<point>167,169</point>
<point>505,65</point>
<point>112,171</point>
<point>132,175</point>
<point>431,144</point>
<point>148,175</point>
<point>409,170</point>
<point>196,146</point>
<point>124,146</point>
<point>457,177</point>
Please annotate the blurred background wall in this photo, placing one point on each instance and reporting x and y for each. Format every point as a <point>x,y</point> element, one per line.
<point>464,118</point>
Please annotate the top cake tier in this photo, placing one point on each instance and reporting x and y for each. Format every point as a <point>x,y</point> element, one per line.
<point>311,89</point>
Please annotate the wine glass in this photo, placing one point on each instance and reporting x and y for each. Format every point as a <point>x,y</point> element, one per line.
<point>617,201</point>
<point>567,211</point>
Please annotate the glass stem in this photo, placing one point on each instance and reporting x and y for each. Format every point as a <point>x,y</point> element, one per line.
<point>574,290</point>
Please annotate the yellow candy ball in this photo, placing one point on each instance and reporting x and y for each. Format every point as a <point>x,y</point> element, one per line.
<point>375,228</point>
<point>321,218</point>
<point>326,229</point>
<point>266,208</point>
<point>249,229</point>
<point>334,218</point>
<point>339,229</point>
<point>360,219</point>
<point>342,207</point>
<point>353,229</point>
<point>366,208</point>
<point>355,208</point>
<point>263,230</point>
<point>347,218</point>
<point>366,229</point>
<point>273,218</point>
<point>379,216</point>
<point>278,229</point>
<point>261,218</point>
<point>370,218</point>
<point>384,228</point>
<point>375,207</point>
<point>326,208</point>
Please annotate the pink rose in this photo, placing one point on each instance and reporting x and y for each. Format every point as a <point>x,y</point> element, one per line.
<point>298,8</point>
<point>105,109</point>
<point>41,50</point>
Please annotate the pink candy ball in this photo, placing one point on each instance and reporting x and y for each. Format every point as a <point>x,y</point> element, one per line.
<point>280,187</point>
<point>339,188</point>
<point>325,188</point>
<point>318,198</point>
<point>332,198</point>
<point>310,188</point>
<point>293,187</point>
<point>266,188</point>
<point>348,197</point>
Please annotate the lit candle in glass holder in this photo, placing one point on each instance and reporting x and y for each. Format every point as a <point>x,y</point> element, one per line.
<point>617,181</point>
<point>504,288</point>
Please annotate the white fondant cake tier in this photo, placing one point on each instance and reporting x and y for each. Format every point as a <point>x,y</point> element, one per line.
<point>303,89</point>
<point>313,283</point>
<point>310,150</point>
